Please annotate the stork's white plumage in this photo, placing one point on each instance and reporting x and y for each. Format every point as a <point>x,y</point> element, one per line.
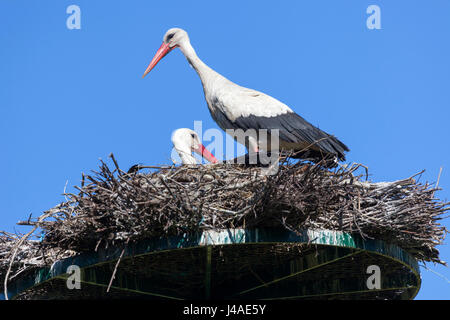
<point>236,107</point>
<point>186,141</point>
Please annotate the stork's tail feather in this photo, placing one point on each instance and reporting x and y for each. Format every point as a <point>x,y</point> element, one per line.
<point>339,147</point>
<point>331,151</point>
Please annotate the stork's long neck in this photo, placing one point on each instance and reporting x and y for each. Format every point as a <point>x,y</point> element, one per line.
<point>205,73</point>
<point>186,157</point>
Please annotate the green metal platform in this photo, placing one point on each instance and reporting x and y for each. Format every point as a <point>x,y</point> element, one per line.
<point>264,263</point>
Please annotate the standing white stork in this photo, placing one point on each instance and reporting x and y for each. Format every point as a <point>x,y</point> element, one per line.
<point>236,107</point>
<point>185,141</point>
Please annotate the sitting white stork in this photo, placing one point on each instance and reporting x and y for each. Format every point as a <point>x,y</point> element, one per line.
<point>185,141</point>
<point>235,107</point>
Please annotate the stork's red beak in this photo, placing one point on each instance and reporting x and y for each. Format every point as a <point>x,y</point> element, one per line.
<point>201,150</point>
<point>161,53</point>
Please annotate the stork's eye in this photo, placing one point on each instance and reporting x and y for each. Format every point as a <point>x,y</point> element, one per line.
<point>193,135</point>
<point>170,36</point>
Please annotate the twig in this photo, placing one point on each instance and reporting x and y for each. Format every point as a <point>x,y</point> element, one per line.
<point>16,247</point>
<point>115,268</point>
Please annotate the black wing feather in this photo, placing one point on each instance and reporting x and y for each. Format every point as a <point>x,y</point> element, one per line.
<point>292,128</point>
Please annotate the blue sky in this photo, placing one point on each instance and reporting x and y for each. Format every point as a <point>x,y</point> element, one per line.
<point>70,97</point>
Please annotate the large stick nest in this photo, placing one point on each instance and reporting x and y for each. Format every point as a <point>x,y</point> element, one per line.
<point>115,207</point>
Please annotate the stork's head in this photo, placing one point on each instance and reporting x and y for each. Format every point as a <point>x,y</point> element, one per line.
<point>173,38</point>
<point>186,141</point>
